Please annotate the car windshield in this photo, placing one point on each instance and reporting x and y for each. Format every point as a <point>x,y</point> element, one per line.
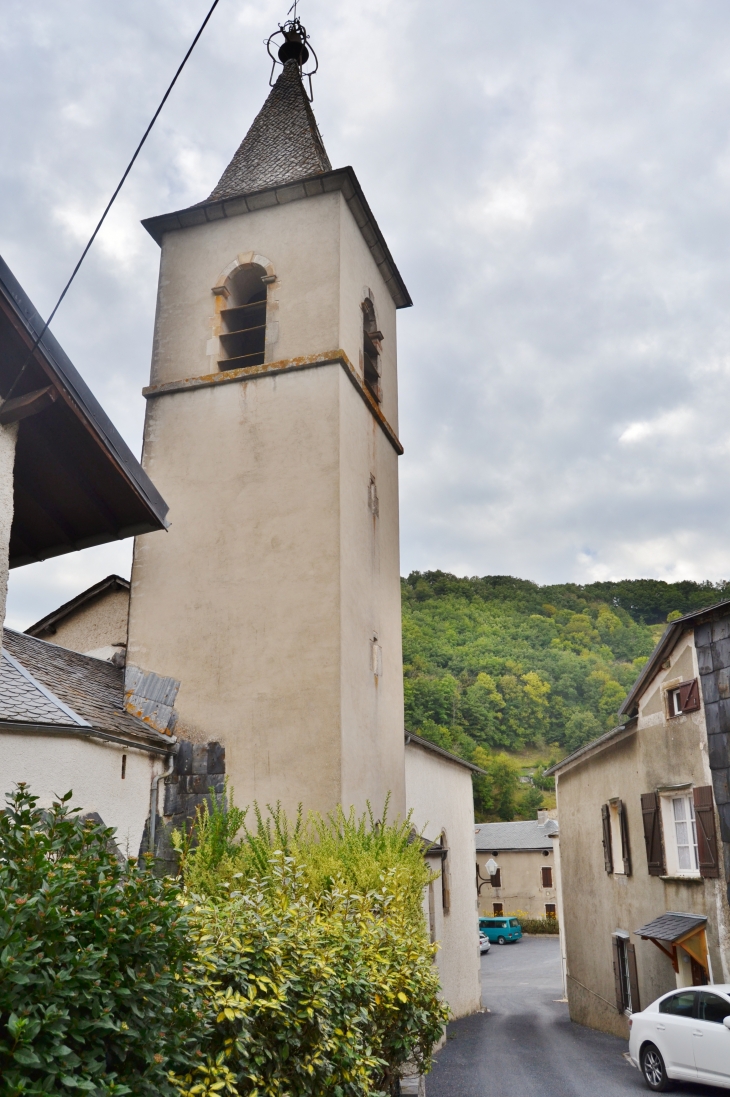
<point>682,1005</point>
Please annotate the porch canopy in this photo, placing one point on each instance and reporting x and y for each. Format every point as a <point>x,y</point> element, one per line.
<point>76,482</point>
<point>674,930</point>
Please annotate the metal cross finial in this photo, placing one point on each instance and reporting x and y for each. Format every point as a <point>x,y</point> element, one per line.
<point>293,8</point>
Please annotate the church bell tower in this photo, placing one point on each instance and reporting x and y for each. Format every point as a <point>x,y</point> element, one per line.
<point>272,431</point>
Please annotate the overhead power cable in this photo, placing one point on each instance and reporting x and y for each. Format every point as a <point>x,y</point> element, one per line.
<point>111,201</point>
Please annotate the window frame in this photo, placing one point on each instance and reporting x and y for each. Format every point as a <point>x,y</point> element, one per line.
<point>669,821</point>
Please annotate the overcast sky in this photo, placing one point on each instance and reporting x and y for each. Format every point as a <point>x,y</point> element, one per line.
<point>553,179</point>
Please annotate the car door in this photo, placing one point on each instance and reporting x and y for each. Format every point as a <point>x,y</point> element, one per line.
<point>712,1039</point>
<point>675,1028</point>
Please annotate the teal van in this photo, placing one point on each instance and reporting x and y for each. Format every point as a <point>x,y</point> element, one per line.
<point>500,929</point>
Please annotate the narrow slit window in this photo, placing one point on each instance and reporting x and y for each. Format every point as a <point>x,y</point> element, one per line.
<point>371,340</point>
<point>243,335</point>
<point>124,766</point>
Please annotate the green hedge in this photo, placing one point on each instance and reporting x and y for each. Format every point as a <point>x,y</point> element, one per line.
<point>315,968</point>
<point>91,958</point>
<point>538,925</point>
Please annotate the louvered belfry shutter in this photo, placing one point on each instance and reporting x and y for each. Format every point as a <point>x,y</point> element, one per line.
<point>607,854</point>
<point>633,979</point>
<point>625,849</point>
<point>706,832</point>
<point>689,696</point>
<point>652,833</point>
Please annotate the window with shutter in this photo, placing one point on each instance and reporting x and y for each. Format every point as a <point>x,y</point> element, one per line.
<point>371,340</point>
<point>624,973</point>
<point>547,876</point>
<point>497,908</point>
<point>550,910</point>
<point>624,831</point>
<point>633,979</point>
<point>607,854</point>
<point>497,879</point>
<point>618,981</point>
<point>652,833</point>
<point>706,831</point>
<point>684,698</point>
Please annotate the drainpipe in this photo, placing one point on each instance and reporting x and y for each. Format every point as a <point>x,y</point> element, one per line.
<point>153,801</point>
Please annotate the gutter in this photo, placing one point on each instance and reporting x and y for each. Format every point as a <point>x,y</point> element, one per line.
<point>75,731</point>
<point>154,803</point>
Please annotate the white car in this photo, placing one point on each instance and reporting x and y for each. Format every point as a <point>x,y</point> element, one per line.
<point>483,943</point>
<point>684,1034</point>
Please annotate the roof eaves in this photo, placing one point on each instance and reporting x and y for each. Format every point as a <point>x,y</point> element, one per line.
<point>75,603</point>
<point>80,398</point>
<point>156,744</point>
<point>428,745</point>
<point>342,179</point>
<point>594,747</point>
<point>668,641</point>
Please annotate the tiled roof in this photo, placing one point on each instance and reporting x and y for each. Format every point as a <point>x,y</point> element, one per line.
<point>282,145</point>
<point>74,689</point>
<point>671,926</point>
<point>522,834</point>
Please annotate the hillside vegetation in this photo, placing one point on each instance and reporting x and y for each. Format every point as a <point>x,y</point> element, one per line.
<point>497,667</point>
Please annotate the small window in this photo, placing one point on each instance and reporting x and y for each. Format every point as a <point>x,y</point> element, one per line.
<point>680,1005</point>
<point>497,908</point>
<point>713,1008</point>
<point>497,879</point>
<point>685,698</point>
<point>124,766</point>
<point>243,337</point>
<point>550,910</point>
<point>547,876</point>
<point>371,340</point>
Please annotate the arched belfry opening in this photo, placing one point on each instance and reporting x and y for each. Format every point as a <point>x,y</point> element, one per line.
<point>243,334</point>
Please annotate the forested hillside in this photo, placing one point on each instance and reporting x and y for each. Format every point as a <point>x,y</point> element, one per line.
<point>496,665</point>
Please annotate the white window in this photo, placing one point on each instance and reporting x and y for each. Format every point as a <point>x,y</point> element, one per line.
<point>675,704</point>
<point>616,840</point>
<point>680,834</point>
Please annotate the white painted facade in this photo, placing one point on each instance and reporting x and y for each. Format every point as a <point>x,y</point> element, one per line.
<point>439,794</point>
<point>8,438</point>
<point>53,763</point>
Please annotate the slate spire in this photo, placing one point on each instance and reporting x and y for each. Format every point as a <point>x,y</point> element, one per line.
<point>282,145</point>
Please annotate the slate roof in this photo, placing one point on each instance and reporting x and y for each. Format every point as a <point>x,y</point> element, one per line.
<point>283,143</point>
<point>521,834</point>
<point>42,684</point>
<point>671,926</point>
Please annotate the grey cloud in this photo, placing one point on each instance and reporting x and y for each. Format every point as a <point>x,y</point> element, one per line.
<point>553,182</point>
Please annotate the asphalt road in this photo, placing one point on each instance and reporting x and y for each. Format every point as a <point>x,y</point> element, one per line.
<point>525,1045</point>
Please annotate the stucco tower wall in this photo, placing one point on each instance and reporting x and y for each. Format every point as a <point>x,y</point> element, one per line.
<point>263,597</point>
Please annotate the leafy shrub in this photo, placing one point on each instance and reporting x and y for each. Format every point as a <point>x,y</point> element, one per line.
<point>536,925</point>
<point>315,969</point>
<point>91,953</point>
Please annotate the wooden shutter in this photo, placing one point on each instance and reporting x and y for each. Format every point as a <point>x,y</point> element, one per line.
<point>624,824</point>
<point>652,833</point>
<point>607,854</point>
<point>547,877</point>
<point>617,976</point>
<point>689,696</point>
<point>706,832</point>
<point>497,879</point>
<point>633,979</point>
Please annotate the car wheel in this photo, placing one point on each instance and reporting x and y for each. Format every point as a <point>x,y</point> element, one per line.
<point>653,1069</point>
<point>501,941</point>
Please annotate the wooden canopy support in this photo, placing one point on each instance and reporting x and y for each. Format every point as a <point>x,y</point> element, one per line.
<point>20,407</point>
<point>694,944</point>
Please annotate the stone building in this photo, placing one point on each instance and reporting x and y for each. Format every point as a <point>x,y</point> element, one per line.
<point>645,833</point>
<point>516,867</point>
